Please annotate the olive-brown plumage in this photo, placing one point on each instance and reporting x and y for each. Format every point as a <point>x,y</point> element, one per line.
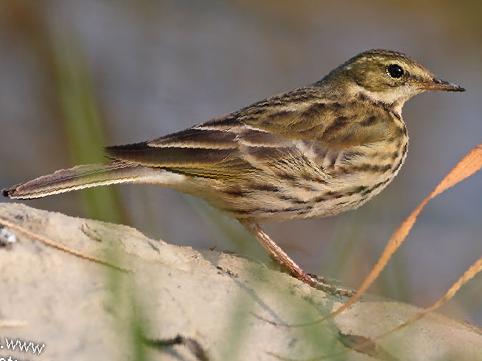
<point>315,151</point>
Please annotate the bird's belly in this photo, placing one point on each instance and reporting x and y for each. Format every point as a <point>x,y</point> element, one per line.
<point>357,183</point>
<point>351,196</point>
<point>348,187</point>
<point>302,199</point>
<point>294,195</point>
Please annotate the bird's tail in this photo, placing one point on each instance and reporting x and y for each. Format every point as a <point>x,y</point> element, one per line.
<point>83,176</point>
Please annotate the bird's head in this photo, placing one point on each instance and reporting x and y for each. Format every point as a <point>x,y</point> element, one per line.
<point>388,76</point>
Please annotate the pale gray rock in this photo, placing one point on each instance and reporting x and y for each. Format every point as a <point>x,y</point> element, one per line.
<point>223,307</point>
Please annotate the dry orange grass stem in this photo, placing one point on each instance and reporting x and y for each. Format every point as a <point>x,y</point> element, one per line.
<point>469,165</point>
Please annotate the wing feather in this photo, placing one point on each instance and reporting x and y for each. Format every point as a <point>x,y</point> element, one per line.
<point>302,127</point>
<point>196,138</point>
<point>166,157</point>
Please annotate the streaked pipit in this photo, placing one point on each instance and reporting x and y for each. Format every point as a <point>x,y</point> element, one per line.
<point>315,151</point>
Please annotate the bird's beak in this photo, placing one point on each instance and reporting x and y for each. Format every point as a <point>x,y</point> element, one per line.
<point>442,85</point>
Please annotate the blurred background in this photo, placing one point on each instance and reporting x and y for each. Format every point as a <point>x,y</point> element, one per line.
<point>76,75</point>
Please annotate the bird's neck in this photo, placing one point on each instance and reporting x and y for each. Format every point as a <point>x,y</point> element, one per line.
<point>389,102</point>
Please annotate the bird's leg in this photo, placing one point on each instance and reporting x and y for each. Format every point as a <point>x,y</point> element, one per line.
<point>285,261</point>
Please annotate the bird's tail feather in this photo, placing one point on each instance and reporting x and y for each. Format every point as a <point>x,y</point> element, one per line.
<point>83,176</point>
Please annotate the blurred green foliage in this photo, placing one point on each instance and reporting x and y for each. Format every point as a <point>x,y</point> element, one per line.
<point>83,128</point>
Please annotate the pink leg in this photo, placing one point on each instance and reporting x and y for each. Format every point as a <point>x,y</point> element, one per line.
<point>284,260</point>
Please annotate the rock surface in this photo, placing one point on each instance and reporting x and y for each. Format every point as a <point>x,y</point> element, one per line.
<point>223,307</point>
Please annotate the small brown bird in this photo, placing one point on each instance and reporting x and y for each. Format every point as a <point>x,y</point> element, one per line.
<point>315,151</point>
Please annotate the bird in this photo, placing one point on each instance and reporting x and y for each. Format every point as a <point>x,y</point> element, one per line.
<point>315,151</point>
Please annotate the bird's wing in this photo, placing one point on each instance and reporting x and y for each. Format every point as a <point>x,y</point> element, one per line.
<point>220,148</point>
<point>196,152</point>
<point>290,130</point>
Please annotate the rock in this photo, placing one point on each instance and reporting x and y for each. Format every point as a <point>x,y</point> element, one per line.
<point>193,305</point>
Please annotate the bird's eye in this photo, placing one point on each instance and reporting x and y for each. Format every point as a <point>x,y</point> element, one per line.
<point>395,71</point>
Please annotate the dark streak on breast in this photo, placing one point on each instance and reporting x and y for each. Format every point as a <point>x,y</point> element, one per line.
<point>321,198</point>
<point>254,211</point>
<point>263,187</point>
<point>291,199</point>
<point>397,165</point>
<point>236,192</point>
<point>371,168</point>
